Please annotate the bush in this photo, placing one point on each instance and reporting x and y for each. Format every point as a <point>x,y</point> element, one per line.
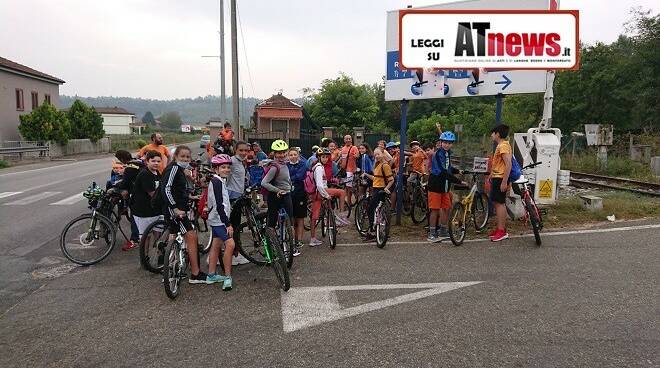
<point>45,123</point>
<point>140,143</point>
<point>3,164</point>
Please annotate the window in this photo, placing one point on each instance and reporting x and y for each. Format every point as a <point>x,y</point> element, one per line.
<point>19,100</point>
<point>35,100</point>
<point>47,99</point>
<point>279,125</point>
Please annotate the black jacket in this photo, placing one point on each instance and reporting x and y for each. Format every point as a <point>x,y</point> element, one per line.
<point>174,187</point>
<point>131,172</point>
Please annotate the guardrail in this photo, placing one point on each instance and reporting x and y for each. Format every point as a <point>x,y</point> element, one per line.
<point>19,150</point>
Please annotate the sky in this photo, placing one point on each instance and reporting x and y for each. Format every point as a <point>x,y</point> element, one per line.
<point>154,48</point>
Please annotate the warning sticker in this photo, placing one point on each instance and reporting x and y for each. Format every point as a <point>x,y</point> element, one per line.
<point>545,188</point>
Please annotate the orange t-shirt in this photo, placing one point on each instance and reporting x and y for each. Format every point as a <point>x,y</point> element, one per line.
<point>350,153</point>
<point>227,134</point>
<point>499,166</point>
<point>162,149</point>
<point>395,162</point>
<point>417,161</point>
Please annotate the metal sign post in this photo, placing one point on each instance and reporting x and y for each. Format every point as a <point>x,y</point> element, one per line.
<point>402,160</point>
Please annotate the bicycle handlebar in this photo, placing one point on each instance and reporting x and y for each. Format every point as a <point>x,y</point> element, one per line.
<point>534,164</point>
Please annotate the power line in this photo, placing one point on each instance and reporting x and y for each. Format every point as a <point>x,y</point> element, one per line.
<point>247,64</point>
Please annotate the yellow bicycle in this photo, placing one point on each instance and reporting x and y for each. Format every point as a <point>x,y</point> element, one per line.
<point>473,208</point>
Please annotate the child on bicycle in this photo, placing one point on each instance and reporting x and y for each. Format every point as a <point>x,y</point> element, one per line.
<point>323,192</point>
<point>277,182</point>
<point>439,185</point>
<point>175,197</point>
<point>499,179</point>
<point>219,210</point>
<point>297,171</point>
<point>382,182</point>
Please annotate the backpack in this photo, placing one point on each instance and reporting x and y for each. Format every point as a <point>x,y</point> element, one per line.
<point>256,173</point>
<point>264,192</point>
<point>310,181</point>
<point>516,170</point>
<point>201,205</point>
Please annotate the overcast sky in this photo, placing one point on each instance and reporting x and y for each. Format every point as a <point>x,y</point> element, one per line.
<point>153,48</point>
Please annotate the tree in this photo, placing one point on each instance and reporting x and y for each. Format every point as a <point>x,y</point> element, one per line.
<point>148,118</point>
<point>171,120</point>
<point>45,123</point>
<point>85,122</point>
<point>342,103</point>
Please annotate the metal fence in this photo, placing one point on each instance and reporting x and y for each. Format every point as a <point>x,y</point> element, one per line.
<point>21,150</point>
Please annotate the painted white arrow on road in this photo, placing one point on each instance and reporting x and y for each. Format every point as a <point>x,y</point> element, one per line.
<point>304,307</point>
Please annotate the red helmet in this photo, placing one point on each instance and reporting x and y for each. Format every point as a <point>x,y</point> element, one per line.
<point>218,160</point>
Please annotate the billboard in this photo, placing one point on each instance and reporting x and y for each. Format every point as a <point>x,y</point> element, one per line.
<point>425,83</point>
<point>185,128</point>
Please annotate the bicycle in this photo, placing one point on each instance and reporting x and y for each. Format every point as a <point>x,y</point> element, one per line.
<point>532,212</point>
<point>418,199</point>
<point>249,243</point>
<point>472,207</point>
<point>382,221</point>
<point>362,214</point>
<point>176,268</point>
<point>328,221</point>
<point>285,233</point>
<point>78,238</point>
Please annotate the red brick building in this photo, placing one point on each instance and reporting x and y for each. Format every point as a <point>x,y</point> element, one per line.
<point>278,116</point>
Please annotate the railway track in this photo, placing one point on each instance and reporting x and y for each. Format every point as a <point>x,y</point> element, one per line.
<point>608,182</point>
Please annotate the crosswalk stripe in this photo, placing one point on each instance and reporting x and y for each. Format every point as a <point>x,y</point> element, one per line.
<point>32,199</point>
<point>69,200</point>
<point>8,194</point>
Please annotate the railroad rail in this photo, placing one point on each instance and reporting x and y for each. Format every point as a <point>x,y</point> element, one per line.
<point>609,182</point>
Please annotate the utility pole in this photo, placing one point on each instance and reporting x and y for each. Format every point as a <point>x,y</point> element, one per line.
<point>223,97</point>
<point>234,67</point>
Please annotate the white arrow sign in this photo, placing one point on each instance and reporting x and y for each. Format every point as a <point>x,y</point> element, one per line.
<point>310,306</point>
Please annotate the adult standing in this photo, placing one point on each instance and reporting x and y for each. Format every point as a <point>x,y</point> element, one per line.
<point>157,145</point>
<point>259,153</point>
<point>349,155</point>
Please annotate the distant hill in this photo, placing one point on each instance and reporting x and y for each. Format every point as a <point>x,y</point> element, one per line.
<point>192,110</point>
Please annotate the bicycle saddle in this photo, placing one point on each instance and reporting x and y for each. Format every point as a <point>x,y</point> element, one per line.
<point>521,180</point>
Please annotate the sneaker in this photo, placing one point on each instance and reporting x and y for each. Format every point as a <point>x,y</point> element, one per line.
<point>213,278</point>
<point>313,242</point>
<point>442,234</point>
<point>239,260</point>
<point>296,250</point>
<point>200,278</point>
<point>129,245</point>
<point>492,233</point>
<point>227,284</point>
<point>432,238</point>
<point>499,236</point>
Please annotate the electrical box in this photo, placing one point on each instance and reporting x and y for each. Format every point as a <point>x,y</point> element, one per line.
<point>540,145</point>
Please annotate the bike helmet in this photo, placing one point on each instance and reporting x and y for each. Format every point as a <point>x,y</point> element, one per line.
<point>397,144</point>
<point>323,151</point>
<point>315,148</point>
<point>447,136</point>
<point>279,145</point>
<point>218,160</point>
<point>390,145</point>
<point>414,143</point>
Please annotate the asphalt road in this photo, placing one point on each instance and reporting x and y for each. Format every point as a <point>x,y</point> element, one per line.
<point>36,202</point>
<point>583,299</point>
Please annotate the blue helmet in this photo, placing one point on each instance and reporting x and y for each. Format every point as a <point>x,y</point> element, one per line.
<point>448,136</point>
<point>390,145</point>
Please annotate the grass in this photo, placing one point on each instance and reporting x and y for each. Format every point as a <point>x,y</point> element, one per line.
<point>4,164</point>
<point>135,142</point>
<point>616,166</point>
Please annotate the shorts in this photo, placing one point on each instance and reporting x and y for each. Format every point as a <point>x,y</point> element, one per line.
<point>144,222</point>
<point>496,195</point>
<point>438,201</point>
<point>348,180</point>
<point>220,232</point>
<point>299,205</point>
<point>176,225</point>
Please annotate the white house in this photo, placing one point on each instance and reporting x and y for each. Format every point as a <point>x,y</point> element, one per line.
<point>116,120</point>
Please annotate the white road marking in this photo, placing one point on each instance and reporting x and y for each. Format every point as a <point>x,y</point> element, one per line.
<point>553,233</point>
<point>8,194</point>
<point>69,200</point>
<point>304,307</point>
<point>32,199</point>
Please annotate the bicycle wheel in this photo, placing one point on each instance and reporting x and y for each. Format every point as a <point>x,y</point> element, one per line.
<point>362,216</point>
<point>248,238</point>
<point>308,219</point>
<point>534,219</point>
<point>287,242</point>
<point>419,206</point>
<point>480,211</point>
<point>332,229</point>
<point>152,246</point>
<point>406,207</point>
<point>456,225</point>
<point>173,270</point>
<point>277,259</point>
<point>88,239</point>
<point>204,236</point>
<point>382,224</point>
<point>322,221</point>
